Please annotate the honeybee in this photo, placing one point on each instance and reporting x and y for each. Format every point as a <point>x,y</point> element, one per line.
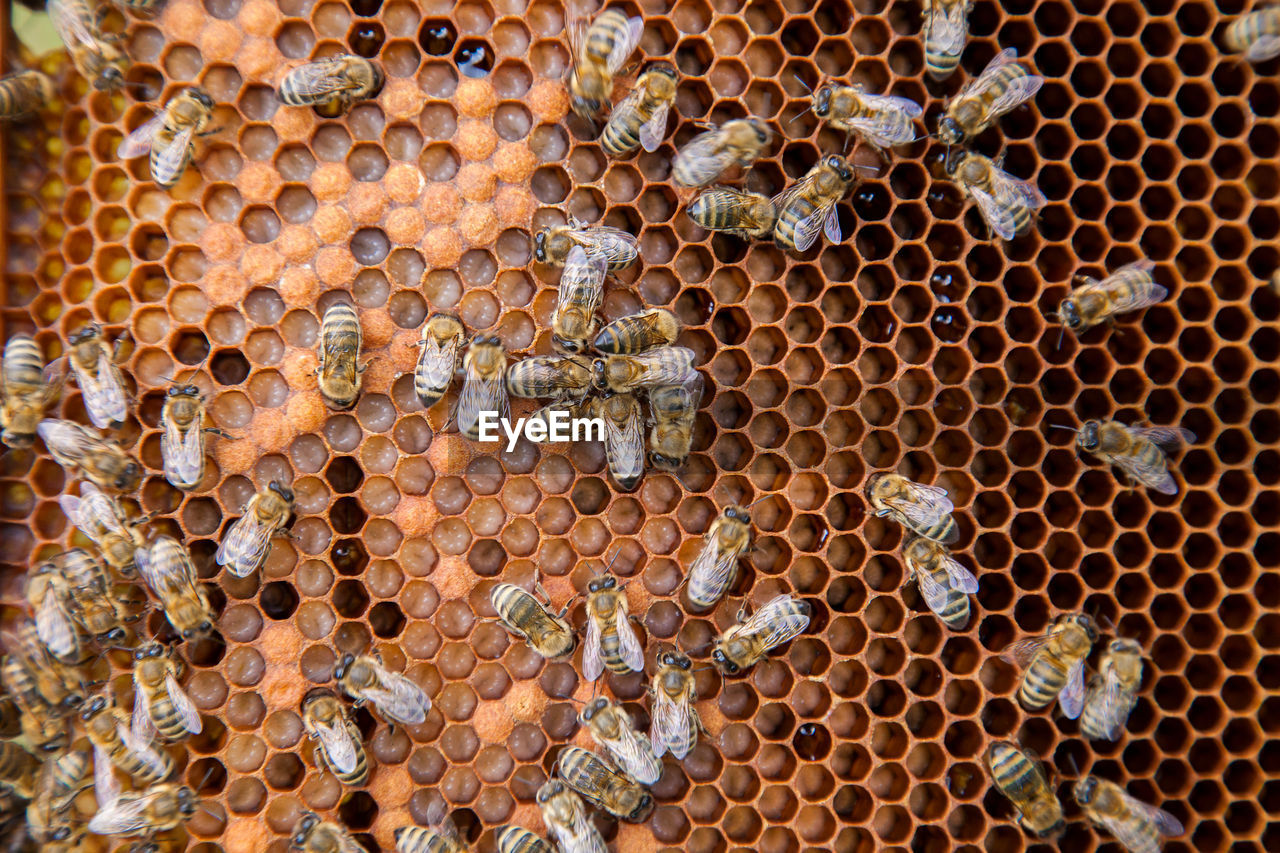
<point>397,698</point>
<point>338,351</point>
<point>93,364</point>
<point>924,510</point>
<point>708,155</point>
<point>611,641</point>
<point>1255,34</point>
<point>744,214</point>
<point>103,520</point>
<point>1008,205</point>
<point>160,705</point>
<point>312,835</point>
<point>59,781</point>
<point>1001,86</point>
<point>80,591</point>
<point>116,743</point>
<point>96,58</point>
<point>169,136</point>
<point>581,288</point>
<point>27,390</point>
<point>623,437</point>
<point>944,31</point>
<point>716,567</point>
<point>153,810</point>
<point>18,769</point>
<point>611,727</point>
<point>331,85</point>
<point>548,634</point>
<point>1130,288</point>
<point>1135,450</point>
<point>49,598</point>
<point>1054,664</point>
<point>167,568</point>
<point>84,454</point>
<point>483,386</point>
<point>517,839</point>
<point>808,206</point>
<point>674,721</point>
<point>635,333</point>
<point>622,374</point>
<point>34,682</point>
<point>882,121</point>
<point>1113,691</point>
<point>566,817</point>
<point>600,784</point>
<point>673,408</point>
<point>248,542</point>
<point>641,117</point>
<point>24,92</point>
<point>944,584</point>
<point>746,644</point>
<point>182,442</point>
<point>1021,778</point>
<point>440,836</point>
<point>1138,827</point>
<point>563,378</point>
<point>553,244</point>
<point>599,50</point>
<point>438,361</point>
<point>339,744</point>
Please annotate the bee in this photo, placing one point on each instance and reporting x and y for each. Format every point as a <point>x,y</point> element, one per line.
<point>635,333</point>
<point>18,769</point>
<point>924,510</point>
<point>1138,827</point>
<point>581,288</point>
<point>611,727</point>
<point>1113,691</point>
<point>522,614</point>
<point>1020,777</point>
<point>103,520</point>
<point>599,50</point>
<point>1002,85</point>
<point>944,584</point>
<point>116,743</point>
<point>75,589</point>
<point>95,57</point>
<point>566,818</point>
<point>312,835</point>
<point>1054,664</point>
<point>601,785</point>
<point>23,93</point>
<point>709,154</point>
<point>50,601</point>
<point>483,387</point>
<point>882,121</point>
<point>365,679</point>
<point>93,364</point>
<point>169,136</point>
<point>746,644</point>
<point>1130,288</point>
<point>944,31</point>
<point>553,244</point>
<point>716,567</point>
<point>808,206</point>
<point>338,352</point>
<point>27,390</point>
<point>441,337</point>
<point>152,810</point>
<point>563,378</point>
<point>160,706</point>
<point>58,783</point>
<point>611,641</point>
<point>673,408</point>
<point>1134,450</point>
<point>84,454</point>
<point>674,722</point>
<point>182,442</point>
<point>1256,34</point>
<point>623,437</point>
<point>248,542</point>
<point>340,747</point>
<point>33,682</point>
<point>441,836</point>
<point>622,374</point>
<point>1008,205</point>
<point>516,839</point>
<point>168,571</point>
<point>744,214</point>
<point>641,117</point>
<point>331,85</point>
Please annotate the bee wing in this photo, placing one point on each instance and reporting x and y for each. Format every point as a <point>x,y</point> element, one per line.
<point>1263,48</point>
<point>243,543</point>
<point>1001,59</point>
<point>1147,470</point>
<point>1166,823</point>
<point>668,371</point>
<point>105,785</point>
<point>997,216</point>
<point>1020,653</point>
<point>703,159</point>
<point>1018,92</point>
<point>933,593</point>
<point>437,362</point>
<point>592,659</point>
<point>623,47</point>
<point>140,720</point>
<point>54,626</point>
<point>766,622</point>
<point>893,104</point>
<point>104,398</point>
<point>625,445</point>
<point>399,698</point>
<point>607,240</point>
<point>122,816</point>
<point>142,747</point>
<point>71,27</point>
<point>831,225</point>
<point>1010,190</point>
<point>926,505</point>
<point>635,754</point>
<point>962,580</point>
<point>1071,699</point>
<point>1110,696</point>
<point>187,711</point>
<point>807,229</point>
<point>713,568</point>
<point>182,454</point>
<point>582,281</point>
<point>1171,436</point>
<point>880,133</point>
<point>653,131</point>
<point>629,645</point>
<point>669,719</point>
<point>481,394</point>
<point>339,748</point>
<point>318,79</point>
<point>949,27</point>
<point>1142,294</point>
<point>138,142</point>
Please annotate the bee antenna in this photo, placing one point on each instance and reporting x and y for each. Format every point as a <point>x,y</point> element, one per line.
<point>1071,759</point>
<point>758,500</point>
<point>806,86</point>
<point>616,554</point>
<point>1064,426</point>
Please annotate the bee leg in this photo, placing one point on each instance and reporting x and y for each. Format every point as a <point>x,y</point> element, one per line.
<point>119,346</point>
<point>218,432</point>
<point>361,368</point>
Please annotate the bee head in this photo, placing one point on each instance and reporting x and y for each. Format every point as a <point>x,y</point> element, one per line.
<point>549,789</point>
<point>664,69</point>
<point>114,637</point>
<point>949,130</point>
<point>677,660</point>
<point>954,160</point>
<point>762,130</point>
<point>1086,624</point>
<point>148,650</point>
<point>586,106</point>
<point>1070,314</point>
<point>303,831</point>
<point>737,513</point>
<point>187,801</point>
<point>128,475</point>
<point>598,584</point>
<point>594,708</point>
<point>95,707</point>
<point>340,671</point>
<point>1086,789</point>
<point>379,79</point>
<point>62,833</point>
<point>85,333</point>
<point>599,376</point>
<point>110,79</point>
<point>721,660</point>
<point>567,344</point>
<point>822,100</point>
<point>15,439</point>
<point>285,493</point>
<point>840,166</point>
<point>201,97</point>
<point>1087,437</point>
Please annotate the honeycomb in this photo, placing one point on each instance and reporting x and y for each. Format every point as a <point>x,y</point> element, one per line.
<point>918,344</point>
